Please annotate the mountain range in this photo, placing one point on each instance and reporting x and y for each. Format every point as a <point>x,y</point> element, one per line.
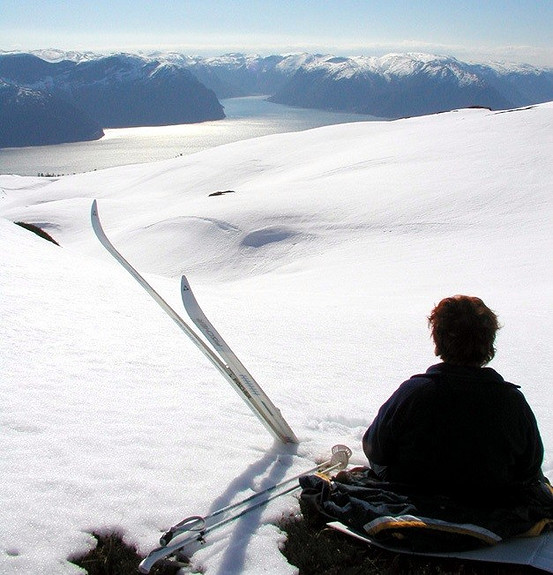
<point>101,92</point>
<point>391,86</point>
<point>123,90</point>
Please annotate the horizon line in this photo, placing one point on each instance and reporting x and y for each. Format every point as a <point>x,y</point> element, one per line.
<point>508,56</point>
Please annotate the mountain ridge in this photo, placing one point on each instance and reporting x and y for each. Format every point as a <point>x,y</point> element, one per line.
<point>29,116</point>
<point>161,88</point>
<point>114,91</point>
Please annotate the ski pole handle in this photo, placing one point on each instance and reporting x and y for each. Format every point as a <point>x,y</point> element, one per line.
<point>340,456</point>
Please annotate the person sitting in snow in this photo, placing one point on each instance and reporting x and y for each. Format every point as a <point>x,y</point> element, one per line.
<point>459,429</point>
<point>455,453</point>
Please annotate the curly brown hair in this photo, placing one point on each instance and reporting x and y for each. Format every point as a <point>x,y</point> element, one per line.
<point>463,329</point>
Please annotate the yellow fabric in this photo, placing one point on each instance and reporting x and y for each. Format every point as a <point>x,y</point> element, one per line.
<point>323,476</point>
<point>391,524</point>
<point>538,528</point>
<point>541,525</point>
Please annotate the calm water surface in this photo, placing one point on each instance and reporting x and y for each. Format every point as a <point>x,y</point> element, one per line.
<point>246,118</point>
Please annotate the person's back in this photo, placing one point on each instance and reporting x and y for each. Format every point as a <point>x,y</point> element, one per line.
<point>455,453</point>
<point>459,429</point>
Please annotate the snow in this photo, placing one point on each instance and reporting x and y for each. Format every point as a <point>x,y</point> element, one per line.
<point>394,63</point>
<point>396,66</point>
<point>319,271</point>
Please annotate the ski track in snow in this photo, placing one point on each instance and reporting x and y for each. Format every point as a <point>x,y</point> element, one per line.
<point>319,272</point>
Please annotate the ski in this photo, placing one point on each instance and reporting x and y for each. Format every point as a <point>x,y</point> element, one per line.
<point>265,406</point>
<point>195,528</point>
<point>276,426</point>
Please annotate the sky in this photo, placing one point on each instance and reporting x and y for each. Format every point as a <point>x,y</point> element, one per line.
<point>474,30</point>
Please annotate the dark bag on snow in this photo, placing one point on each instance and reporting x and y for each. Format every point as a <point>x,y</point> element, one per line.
<point>394,516</point>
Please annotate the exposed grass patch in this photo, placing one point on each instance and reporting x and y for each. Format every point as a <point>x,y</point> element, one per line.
<point>112,556</point>
<point>313,548</point>
<point>318,550</point>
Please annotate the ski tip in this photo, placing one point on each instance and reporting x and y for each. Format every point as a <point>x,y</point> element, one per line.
<point>184,284</point>
<point>95,218</point>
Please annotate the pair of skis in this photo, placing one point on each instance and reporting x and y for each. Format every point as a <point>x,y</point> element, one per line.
<point>195,528</point>
<point>220,354</point>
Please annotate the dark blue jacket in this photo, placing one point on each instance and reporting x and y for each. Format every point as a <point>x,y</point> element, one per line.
<point>458,431</point>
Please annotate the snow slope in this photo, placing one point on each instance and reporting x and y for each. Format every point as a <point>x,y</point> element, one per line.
<point>319,270</point>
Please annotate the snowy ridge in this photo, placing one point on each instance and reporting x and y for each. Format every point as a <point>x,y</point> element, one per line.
<point>403,61</point>
<point>395,65</point>
<point>122,90</point>
<point>394,85</point>
<point>388,65</point>
<point>319,270</point>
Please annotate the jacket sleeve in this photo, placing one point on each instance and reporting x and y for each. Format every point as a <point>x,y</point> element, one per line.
<point>380,440</point>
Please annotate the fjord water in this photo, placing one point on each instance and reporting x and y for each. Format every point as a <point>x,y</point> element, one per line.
<point>247,117</point>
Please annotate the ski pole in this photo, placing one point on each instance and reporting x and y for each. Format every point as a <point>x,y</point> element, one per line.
<point>339,460</point>
<point>337,466</point>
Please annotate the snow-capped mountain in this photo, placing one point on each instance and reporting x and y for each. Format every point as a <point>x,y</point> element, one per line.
<point>410,84</point>
<point>114,91</point>
<point>235,74</point>
<point>172,88</point>
<point>389,86</point>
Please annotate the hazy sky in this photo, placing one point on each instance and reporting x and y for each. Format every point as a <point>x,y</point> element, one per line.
<point>512,30</point>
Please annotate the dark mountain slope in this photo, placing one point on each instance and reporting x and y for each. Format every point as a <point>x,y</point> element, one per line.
<point>32,118</point>
<point>44,102</point>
